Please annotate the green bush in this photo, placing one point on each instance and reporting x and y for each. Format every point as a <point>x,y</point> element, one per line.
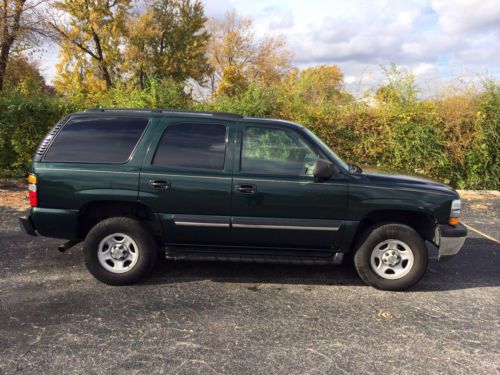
<point>255,101</point>
<point>24,120</point>
<point>455,139</point>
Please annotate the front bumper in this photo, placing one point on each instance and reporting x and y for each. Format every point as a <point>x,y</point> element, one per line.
<point>27,225</point>
<point>450,240</point>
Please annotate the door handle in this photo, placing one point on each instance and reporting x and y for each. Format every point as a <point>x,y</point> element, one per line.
<point>245,189</point>
<point>159,184</point>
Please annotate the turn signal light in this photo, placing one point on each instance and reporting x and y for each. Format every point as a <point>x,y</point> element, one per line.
<point>454,221</point>
<point>32,190</point>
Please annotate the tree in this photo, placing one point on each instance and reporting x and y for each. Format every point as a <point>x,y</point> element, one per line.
<point>90,34</point>
<point>232,82</point>
<point>233,44</point>
<point>400,88</point>
<point>19,28</point>
<point>317,85</point>
<point>23,75</point>
<point>168,40</point>
<point>271,62</point>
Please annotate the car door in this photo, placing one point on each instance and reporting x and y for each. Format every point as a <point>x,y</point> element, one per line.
<point>276,200</point>
<point>186,179</point>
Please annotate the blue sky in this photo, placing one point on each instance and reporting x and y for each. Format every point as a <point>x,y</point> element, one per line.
<point>440,40</point>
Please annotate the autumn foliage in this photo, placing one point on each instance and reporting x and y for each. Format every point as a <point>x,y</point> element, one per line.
<point>167,54</point>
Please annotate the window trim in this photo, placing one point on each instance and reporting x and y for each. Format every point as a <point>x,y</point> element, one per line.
<point>191,169</point>
<point>130,157</point>
<point>283,128</point>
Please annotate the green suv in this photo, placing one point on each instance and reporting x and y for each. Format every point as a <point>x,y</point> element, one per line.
<point>133,184</point>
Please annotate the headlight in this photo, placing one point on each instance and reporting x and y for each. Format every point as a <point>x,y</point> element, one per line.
<point>456,206</point>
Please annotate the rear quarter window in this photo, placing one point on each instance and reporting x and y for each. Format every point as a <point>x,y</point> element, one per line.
<point>96,140</point>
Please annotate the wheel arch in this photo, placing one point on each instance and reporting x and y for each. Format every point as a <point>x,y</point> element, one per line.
<point>423,223</point>
<point>93,212</point>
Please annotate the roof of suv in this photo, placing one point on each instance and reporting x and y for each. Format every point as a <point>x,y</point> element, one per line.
<point>193,114</point>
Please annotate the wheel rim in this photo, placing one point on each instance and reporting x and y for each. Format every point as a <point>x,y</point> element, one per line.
<point>392,259</point>
<point>118,253</point>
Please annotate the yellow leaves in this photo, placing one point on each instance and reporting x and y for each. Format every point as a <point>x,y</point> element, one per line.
<point>232,83</point>
<point>480,115</point>
<point>166,41</point>
<point>233,44</point>
<point>90,34</point>
<point>316,85</point>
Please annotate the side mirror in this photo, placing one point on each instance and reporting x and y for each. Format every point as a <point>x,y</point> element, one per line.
<point>353,168</point>
<point>323,170</point>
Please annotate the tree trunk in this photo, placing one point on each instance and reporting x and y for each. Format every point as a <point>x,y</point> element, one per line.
<point>105,75</point>
<point>141,78</point>
<point>8,36</point>
<point>102,64</point>
<point>4,58</point>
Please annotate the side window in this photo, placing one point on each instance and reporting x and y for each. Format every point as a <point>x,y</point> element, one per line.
<point>276,151</point>
<point>190,145</point>
<point>96,140</point>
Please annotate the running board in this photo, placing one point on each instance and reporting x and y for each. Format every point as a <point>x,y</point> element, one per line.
<point>254,255</point>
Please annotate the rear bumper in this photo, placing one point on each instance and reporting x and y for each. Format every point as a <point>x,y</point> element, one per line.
<point>450,240</point>
<point>27,225</point>
<point>49,222</point>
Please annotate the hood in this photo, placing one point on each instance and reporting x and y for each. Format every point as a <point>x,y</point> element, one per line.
<point>376,175</point>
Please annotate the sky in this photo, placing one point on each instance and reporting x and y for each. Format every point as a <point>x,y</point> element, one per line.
<point>439,40</point>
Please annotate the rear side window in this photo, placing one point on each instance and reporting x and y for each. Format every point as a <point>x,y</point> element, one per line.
<point>186,145</point>
<point>96,140</point>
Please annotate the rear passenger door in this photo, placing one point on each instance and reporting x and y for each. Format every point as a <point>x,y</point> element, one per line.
<point>186,178</point>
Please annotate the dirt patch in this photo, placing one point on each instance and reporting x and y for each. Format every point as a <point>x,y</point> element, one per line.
<point>478,206</point>
<point>479,194</point>
<point>15,199</point>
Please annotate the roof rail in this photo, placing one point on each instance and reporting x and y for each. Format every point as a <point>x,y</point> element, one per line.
<point>121,110</point>
<point>160,110</point>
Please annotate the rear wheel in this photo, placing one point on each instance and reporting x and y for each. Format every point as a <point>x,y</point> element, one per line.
<point>391,257</point>
<point>119,251</point>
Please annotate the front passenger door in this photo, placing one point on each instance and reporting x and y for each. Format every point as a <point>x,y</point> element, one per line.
<point>276,201</point>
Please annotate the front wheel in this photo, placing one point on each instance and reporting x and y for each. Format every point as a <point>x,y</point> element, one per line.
<point>391,257</point>
<point>119,251</point>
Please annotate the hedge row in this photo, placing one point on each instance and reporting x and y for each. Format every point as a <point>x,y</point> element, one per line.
<point>455,139</point>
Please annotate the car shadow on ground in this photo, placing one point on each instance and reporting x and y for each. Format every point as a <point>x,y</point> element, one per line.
<point>476,266</point>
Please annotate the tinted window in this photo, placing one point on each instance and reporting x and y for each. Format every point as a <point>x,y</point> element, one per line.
<point>276,151</point>
<point>199,146</point>
<point>96,140</point>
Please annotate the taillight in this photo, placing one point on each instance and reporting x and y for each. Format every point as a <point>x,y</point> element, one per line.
<point>32,190</point>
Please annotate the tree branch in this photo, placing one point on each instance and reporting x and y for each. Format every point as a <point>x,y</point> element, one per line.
<point>75,42</point>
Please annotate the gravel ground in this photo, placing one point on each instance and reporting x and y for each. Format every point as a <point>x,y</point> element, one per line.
<point>202,318</point>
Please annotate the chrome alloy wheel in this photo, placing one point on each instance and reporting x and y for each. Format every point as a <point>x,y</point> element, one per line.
<point>118,253</point>
<point>392,259</point>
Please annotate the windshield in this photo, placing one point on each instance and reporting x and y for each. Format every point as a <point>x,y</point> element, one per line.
<point>328,151</point>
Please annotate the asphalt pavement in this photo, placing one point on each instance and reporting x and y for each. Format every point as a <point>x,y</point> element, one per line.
<point>237,318</point>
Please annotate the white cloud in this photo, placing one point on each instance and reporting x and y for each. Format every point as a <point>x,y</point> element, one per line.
<point>286,21</point>
<point>366,39</point>
<point>425,70</point>
<point>467,15</point>
<point>350,79</point>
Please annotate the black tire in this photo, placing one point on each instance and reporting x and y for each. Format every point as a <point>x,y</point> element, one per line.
<point>390,231</point>
<point>147,251</point>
